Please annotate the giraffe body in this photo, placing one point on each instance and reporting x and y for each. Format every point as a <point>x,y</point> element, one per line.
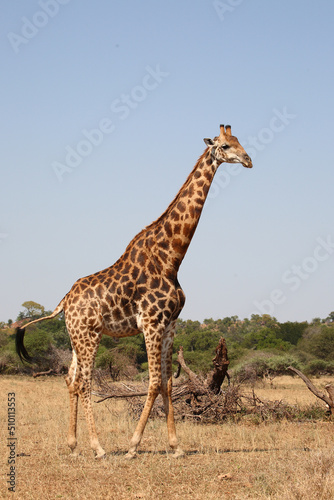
<point>140,293</point>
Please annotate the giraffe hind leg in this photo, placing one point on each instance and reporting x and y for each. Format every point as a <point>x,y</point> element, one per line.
<point>166,389</point>
<point>71,384</point>
<point>79,383</point>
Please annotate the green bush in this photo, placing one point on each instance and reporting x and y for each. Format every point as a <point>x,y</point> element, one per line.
<point>38,343</point>
<point>319,340</point>
<point>278,365</point>
<point>3,339</point>
<point>8,362</point>
<point>144,366</point>
<point>264,364</point>
<point>203,340</point>
<point>117,362</point>
<point>251,369</point>
<point>235,352</point>
<point>134,347</point>
<point>265,338</point>
<point>198,362</point>
<point>319,367</point>
<point>103,358</point>
<point>108,342</point>
<point>61,339</point>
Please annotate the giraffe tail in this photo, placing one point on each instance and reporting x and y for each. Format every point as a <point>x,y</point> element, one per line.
<point>19,334</point>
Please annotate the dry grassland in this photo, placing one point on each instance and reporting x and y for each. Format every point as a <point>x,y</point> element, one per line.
<point>230,461</point>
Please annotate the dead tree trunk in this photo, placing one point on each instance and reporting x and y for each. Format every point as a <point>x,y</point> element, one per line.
<point>220,362</point>
<point>194,387</point>
<point>329,388</point>
<point>216,377</point>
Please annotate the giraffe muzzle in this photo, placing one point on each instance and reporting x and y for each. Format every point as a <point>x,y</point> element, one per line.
<point>247,162</point>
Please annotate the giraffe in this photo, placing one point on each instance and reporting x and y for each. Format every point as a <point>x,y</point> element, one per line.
<point>139,293</point>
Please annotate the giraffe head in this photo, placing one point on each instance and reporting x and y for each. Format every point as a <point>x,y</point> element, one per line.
<point>226,148</point>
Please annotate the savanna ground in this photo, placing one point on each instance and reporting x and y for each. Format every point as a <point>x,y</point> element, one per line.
<point>244,460</point>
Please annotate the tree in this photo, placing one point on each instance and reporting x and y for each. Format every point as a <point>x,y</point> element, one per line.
<point>291,331</point>
<point>33,310</point>
<point>330,317</point>
<point>265,338</point>
<point>319,341</point>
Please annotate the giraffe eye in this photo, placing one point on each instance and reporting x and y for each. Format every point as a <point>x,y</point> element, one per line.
<point>226,146</point>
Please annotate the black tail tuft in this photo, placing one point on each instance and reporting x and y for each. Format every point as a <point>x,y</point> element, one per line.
<point>20,349</point>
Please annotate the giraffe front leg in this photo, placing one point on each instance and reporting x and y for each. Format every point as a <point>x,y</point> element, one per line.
<point>169,410</point>
<point>138,434</point>
<point>153,348</point>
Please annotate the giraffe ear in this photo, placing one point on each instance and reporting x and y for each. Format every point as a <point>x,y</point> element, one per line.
<point>208,142</point>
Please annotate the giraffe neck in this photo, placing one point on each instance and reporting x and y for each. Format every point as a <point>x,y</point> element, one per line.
<point>168,238</point>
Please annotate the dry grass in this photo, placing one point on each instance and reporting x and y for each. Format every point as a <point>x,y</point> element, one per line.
<point>230,461</point>
<point>291,389</point>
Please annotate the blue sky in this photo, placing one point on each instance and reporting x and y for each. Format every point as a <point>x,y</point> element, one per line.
<point>155,78</point>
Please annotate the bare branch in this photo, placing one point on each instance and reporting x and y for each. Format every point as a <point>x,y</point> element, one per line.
<point>180,359</point>
<point>118,395</point>
<point>40,374</point>
<point>313,389</point>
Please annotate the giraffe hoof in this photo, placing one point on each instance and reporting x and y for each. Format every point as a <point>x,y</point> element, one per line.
<point>101,455</point>
<point>178,453</point>
<point>130,455</point>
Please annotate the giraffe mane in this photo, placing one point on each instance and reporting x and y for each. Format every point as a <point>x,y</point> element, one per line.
<point>178,196</point>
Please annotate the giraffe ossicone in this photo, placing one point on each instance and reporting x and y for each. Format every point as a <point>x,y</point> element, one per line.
<point>139,293</point>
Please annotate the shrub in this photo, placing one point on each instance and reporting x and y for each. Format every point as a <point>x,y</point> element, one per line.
<point>320,341</point>
<point>118,363</point>
<point>265,338</point>
<point>319,367</point>
<point>198,362</point>
<point>103,357</point>
<point>8,362</point>
<point>264,365</point>
<point>251,370</point>
<point>278,365</point>
<point>3,339</point>
<point>38,343</point>
<point>61,339</point>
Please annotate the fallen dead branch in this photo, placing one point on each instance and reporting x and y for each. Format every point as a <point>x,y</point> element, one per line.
<point>329,400</point>
<point>202,399</point>
<point>197,398</point>
<point>40,374</point>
